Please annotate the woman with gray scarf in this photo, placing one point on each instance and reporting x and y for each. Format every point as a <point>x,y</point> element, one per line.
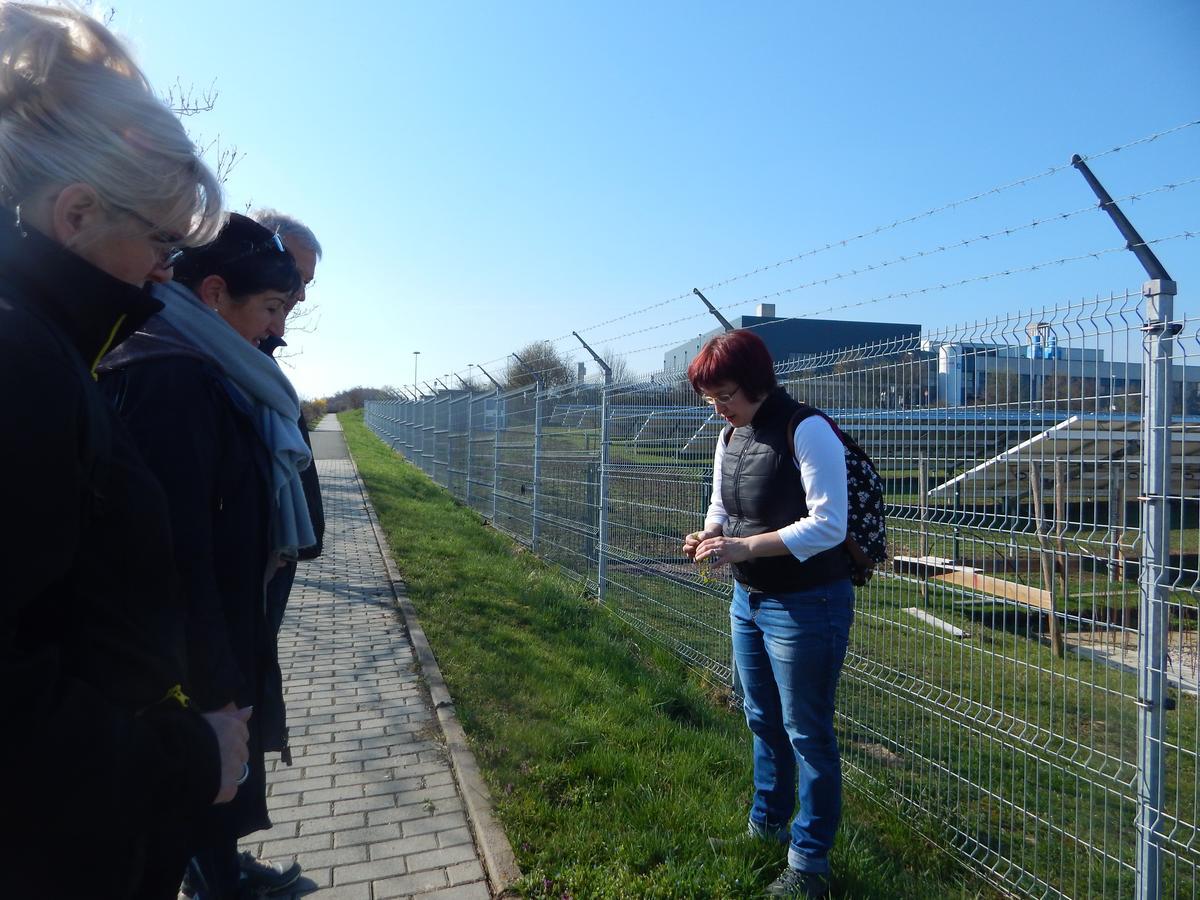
<point>216,421</point>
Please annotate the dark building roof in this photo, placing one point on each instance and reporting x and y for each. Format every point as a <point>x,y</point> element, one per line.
<point>786,338</point>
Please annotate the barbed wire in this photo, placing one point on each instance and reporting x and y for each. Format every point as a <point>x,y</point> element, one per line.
<point>564,362</point>
<point>922,254</point>
<point>925,253</point>
<point>879,229</point>
<point>900,295</point>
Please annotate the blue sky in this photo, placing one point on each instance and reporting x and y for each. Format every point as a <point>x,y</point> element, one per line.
<point>482,175</point>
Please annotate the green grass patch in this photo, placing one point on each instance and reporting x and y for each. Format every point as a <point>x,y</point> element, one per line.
<point>609,761</point>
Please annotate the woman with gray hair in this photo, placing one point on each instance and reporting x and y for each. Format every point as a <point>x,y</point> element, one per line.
<point>99,186</point>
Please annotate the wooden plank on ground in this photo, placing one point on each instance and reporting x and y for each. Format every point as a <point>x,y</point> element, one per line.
<point>999,587</point>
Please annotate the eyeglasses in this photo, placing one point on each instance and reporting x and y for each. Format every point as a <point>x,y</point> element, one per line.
<point>720,398</point>
<point>169,251</point>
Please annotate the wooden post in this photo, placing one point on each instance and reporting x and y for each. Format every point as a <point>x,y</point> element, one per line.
<point>1116,523</point>
<point>1045,554</point>
<point>1060,527</point>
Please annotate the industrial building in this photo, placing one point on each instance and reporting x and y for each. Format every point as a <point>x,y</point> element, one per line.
<point>789,338</point>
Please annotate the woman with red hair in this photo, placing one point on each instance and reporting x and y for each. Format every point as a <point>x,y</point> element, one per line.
<point>778,517</point>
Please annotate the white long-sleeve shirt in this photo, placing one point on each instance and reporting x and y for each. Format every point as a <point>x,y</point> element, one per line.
<point>821,459</point>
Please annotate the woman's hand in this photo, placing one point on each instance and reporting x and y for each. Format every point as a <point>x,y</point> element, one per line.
<point>232,739</point>
<point>693,540</point>
<point>722,550</point>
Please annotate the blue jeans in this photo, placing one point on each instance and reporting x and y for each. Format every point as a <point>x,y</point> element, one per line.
<point>789,649</point>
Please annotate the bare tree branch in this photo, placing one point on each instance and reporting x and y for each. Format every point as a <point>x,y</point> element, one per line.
<point>187,100</point>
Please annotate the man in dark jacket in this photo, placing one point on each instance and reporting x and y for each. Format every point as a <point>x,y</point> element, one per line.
<point>102,746</point>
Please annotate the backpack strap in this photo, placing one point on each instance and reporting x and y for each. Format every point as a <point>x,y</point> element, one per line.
<point>805,412</point>
<point>861,565</point>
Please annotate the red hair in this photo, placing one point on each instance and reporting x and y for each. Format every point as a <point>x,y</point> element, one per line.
<point>739,356</point>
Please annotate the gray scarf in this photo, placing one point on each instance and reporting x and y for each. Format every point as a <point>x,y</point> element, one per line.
<point>276,409</point>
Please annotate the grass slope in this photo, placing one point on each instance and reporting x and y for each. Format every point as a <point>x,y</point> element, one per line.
<point>609,762</point>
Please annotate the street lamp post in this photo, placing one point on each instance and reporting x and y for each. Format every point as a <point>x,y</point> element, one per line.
<point>416,353</point>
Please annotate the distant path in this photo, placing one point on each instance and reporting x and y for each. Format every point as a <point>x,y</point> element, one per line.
<point>328,441</point>
<point>370,806</point>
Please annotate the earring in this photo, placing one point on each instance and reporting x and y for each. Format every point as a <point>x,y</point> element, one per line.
<point>20,229</point>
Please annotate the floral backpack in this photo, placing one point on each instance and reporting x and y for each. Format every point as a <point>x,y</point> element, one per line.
<point>866,529</point>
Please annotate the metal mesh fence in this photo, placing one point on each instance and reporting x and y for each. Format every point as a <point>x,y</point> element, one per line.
<point>1022,675</point>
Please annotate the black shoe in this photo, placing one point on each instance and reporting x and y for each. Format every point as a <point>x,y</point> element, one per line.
<point>189,887</point>
<point>794,883</point>
<point>264,877</point>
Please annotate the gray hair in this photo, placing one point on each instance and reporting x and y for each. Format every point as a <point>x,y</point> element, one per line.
<point>287,227</point>
<point>75,107</point>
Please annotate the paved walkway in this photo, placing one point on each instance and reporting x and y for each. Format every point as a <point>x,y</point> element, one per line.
<point>370,806</point>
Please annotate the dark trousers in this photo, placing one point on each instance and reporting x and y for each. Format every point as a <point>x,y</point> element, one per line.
<point>167,850</point>
<point>217,865</point>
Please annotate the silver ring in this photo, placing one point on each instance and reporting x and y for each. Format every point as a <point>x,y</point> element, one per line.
<point>245,773</point>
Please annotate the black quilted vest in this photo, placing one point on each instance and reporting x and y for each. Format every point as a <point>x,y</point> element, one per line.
<point>762,491</point>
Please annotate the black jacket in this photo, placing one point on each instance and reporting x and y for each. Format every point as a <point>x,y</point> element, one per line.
<point>96,750</point>
<point>196,433</point>
<point>761,490</point>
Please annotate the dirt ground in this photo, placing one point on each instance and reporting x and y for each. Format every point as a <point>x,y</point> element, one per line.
<point>1120,648</point>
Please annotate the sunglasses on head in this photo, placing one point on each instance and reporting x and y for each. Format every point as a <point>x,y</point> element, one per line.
<point>273,244</point>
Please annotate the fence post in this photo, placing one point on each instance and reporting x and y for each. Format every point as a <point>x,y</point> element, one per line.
<point>448,401</point>
<point>470,423</point>
<point>602,522</point>
<point>923,515</point>
<point>1160,332</point>
<point>602,509</point>
<point>496,403</point>
<point>537,463</point>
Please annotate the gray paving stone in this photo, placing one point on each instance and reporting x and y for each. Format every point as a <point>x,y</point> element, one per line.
<point>295,786</point>
<point>441,858</point>
<point>278,831</point>
<point>346,892</point>
<point>280,773</point>
<point>333,823</point>
<point>299,813</point>
<point>370,806</point>
<point>338,856</point>
<point>434,823</point>
<point>476,891</point>
<point>368,835</point>
<point>297,845</point>
<point>369,757</point>
<point>408,885</point>
<point>454,836</point>
<point>371,871</point>
<point>403,846</point>
<point>364,804</point>
<point>333,794</point>
<point>465,872</point>
<point>376,775</point>
<point>333,769</point>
